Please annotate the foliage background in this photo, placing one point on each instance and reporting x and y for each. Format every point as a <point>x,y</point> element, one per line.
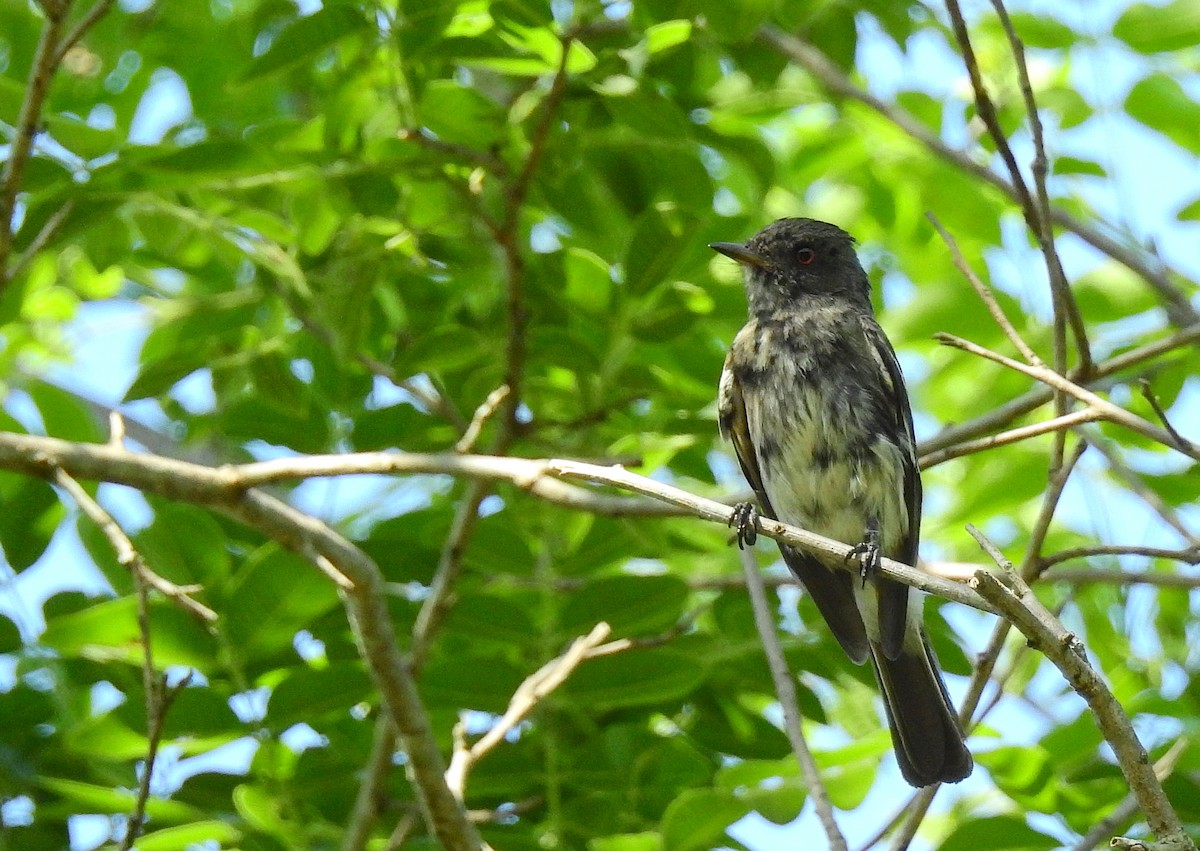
<point>340,227</point>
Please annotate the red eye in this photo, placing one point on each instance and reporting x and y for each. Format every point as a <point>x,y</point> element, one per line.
<point>806,256</point>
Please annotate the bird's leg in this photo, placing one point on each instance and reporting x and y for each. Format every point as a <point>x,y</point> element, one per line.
<point>745,521</point>
<point>868,552</point>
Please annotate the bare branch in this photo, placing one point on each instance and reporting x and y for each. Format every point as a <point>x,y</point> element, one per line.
<point>482,414</point>
<point>536,687</point>
<point>1065,306</point>
<point>1103,829</point>
<point>36,89</point>
<point>1134,482</point>
<point>1148,395</point>
<point>130,558</point>
<point>1003,414</point>
<point>1091,576</point>
<point>785,689</point>
<point>970,447</point>
<point>226,486</point>
<point>368,802</point>
<point>1023,610</point>
<point>1110,412</point>
<point>985,294</point>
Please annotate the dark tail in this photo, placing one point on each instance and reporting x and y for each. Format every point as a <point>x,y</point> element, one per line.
<point>925,730</point>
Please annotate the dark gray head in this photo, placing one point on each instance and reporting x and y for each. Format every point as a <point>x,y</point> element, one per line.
<point>793,258</point>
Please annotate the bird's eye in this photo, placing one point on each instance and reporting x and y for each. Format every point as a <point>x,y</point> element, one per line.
<point>806,256</point>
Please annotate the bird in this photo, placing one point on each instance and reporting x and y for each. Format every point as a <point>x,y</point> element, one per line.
<point>814,402</point>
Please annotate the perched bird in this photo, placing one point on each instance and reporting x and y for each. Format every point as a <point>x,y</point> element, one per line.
<point>814,402</point>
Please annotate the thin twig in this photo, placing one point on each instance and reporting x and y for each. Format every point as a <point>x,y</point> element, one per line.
<point>48,231</point>
<point>1112,413</point>
<point>1092,576</point>
<point>36,89</point>
<point>156,711</point>
<point>785,689</point>
<point>985,663</point>
<point>77,32</point>
<point>970,447</point>
<point>1149,396</point>
<point>984,293</point>
<point>1134,482</point>
<point>915,813</point>
<point>506,236</point>
<point>445,578</point>
<point>482,414</point>
<point>535,688</point>
<point>369,801</point>
<point>1191,555</point>
<point>1005,413</point>
<point>128,557</point>
<point>1065,305</point>
<point>986,110</point>
<point>420,137</point>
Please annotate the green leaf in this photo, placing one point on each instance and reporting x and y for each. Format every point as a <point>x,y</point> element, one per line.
<point>308,694</point>
<point>31,514</point>
<point>308,36</point>
<point>635,678</point>
<point>658,241</point>
<point>697,819</point>
<point>10,635</point>
<point>1160,102</point>
<point>91,798</point>
<point>189,836</point>
<point>461,115</point>
<point>107,631</point>
<point>1111,292</point>
<point>589,280</point>
<point>480,617</point>
<point>1074,165</point>
<point>627,842</point>
<point>197,555</point>
<point>1153,29</point>
<point>271,598</point>
<point>998,833</point>
<point>486,684</point>
<point>631,605</point>
<point>1189,212</point>
<point>1042,30</point>
<point>668,34</point>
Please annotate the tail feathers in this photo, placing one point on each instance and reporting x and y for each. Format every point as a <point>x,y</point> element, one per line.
<point>925,730</point>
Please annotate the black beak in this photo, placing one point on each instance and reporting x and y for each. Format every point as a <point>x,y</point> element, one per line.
<point>739,252</point>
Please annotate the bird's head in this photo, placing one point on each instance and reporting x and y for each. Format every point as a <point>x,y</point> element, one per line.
<point>792,259</point>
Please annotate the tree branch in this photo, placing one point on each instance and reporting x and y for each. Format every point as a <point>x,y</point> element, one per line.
<point>38,86</point>
<point>1035,398</point>
<point>785,689</point>
<point>1009,593</point>
<point>532,691</point>
<point>1106,409</point>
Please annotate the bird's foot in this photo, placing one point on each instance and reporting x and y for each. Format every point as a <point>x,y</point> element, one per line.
<point>745,522</point>
<point>869,555</point>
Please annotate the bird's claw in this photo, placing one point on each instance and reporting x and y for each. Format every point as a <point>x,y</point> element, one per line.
<point>869,556</point>
<point>745,521</point>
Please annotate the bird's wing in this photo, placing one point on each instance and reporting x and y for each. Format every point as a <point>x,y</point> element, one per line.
<point>831,590</point>
<point>893,596</point>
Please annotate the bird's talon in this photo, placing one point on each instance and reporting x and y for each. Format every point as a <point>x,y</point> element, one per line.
<point>745,521</point>
<point>870,558</point>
